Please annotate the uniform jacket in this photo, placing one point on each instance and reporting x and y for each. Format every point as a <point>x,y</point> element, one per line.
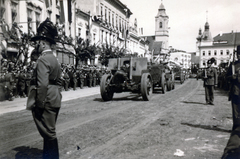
<point>235,83</point>
<point>210,76</point>
<point>48,70</point>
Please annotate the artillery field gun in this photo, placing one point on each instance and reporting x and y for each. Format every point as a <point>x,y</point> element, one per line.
<point>128,74</point>
<point>162,77</point>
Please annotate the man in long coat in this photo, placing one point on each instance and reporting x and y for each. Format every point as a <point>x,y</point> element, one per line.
<point>48,83</point>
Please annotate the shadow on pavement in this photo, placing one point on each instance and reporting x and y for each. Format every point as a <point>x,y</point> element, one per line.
<point>129,97</point>
<point>206,127</point>
<point>24,152</point>
<point>193,102</point>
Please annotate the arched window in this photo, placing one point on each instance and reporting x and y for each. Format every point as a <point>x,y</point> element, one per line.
<point>160,25</point>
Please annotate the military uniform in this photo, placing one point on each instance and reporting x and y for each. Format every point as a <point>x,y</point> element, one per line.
<point>9,86</point>
<point>232,149</point>
<point>90,78</point>
<point>94,78</point>
<point>210,81</point>
<point>48,96</point>
<point>21,84</point>
<point>74,80</point>
<point>66,81</point>
<point>81,78</point>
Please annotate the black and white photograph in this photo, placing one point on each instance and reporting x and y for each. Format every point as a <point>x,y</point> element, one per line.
<point>119,79</point>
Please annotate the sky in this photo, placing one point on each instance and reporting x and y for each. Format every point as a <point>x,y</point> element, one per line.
<point>186,17</point>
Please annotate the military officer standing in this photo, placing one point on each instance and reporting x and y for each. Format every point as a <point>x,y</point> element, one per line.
<point>232,150</point>
<point>210,81</point>
<point>47,75</point>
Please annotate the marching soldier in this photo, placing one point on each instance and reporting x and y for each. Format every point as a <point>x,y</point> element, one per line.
<point>47,75</point>
<point>210,81</point>
<point>232,150</point>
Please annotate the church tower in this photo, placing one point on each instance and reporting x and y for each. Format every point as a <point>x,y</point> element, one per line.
<point>161,26</point>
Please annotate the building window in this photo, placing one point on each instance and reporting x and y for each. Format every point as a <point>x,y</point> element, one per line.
<point>227,52</point>
<point>209,53</point>
<point>109,17</point>
<point>29,14</point>
<point>117,22</point>
<point>221,52</point>
<point>203,53</point>
<point>160,25</point>
<point>14,10</point>
<point>2,8</point>
<point>215,52</point>
<point>94,38</point>
<point>101,12</point>
<point>113,19</point>
<point>79,32</point>
<point>105,15</point>
<point>37,19</point>
<point>102,36</point>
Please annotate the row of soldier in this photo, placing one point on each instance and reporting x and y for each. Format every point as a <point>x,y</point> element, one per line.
<point>15,79</point>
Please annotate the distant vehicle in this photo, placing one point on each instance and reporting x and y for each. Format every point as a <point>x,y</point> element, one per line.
<point>179,74</point>
<point>128,74</point>
<point>162,77</point>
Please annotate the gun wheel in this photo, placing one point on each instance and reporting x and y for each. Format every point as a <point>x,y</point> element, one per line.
<point>106,92</point>
<point>146,86</point>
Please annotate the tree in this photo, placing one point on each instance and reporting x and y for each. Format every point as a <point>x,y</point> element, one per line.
<point>109,51</point>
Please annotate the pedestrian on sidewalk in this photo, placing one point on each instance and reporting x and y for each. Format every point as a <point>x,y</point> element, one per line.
<point>210,81</point>
<point>232,149</point>
<point>48,99</point>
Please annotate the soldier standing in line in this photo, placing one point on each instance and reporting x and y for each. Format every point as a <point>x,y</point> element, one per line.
<point>210,81</point>
<point>82,78</point>
<point>232,149</point>
<point>74,80</point>
<point>90,78</point>
<point>47,75</point>
<point>9,85</point>
<point>94,78</point>
<point>66,80</point>
<point>21,83</point>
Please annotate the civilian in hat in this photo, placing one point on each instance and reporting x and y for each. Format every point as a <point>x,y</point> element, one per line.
<point>47,76</point>
<point>210,81</point>
<point>232,149</point>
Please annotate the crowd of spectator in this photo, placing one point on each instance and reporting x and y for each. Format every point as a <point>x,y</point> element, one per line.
<point>15,78</point>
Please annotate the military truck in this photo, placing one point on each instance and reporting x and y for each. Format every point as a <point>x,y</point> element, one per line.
<point>128,74</point>
<point>162,77</point>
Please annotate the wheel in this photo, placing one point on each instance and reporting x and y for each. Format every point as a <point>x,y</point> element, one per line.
<point>106,92</point>
<point>163,83</point>
<point>146,86</point>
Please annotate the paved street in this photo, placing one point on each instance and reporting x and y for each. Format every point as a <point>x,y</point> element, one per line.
<point>128,127</point>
